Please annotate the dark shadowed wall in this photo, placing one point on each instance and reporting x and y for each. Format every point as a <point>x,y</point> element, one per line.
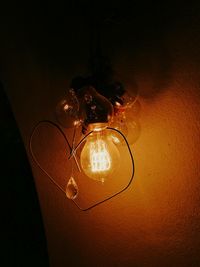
<point>157,221</point>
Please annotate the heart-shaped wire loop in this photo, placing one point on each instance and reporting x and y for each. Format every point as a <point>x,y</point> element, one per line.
<point>73,154</point>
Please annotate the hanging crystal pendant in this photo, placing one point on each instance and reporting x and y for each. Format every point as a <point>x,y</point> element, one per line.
<point>71,189</point>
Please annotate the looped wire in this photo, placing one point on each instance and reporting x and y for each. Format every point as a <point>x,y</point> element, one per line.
<point>73,154</point>
<point>123,189</point>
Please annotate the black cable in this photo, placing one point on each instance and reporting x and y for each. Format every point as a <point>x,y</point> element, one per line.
<point>73,154</point>
<point>34,157</point>
<point>119,192</point>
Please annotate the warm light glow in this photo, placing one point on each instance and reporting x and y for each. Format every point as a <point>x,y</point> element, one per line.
<point>66,107</point>
<point>100,156</point>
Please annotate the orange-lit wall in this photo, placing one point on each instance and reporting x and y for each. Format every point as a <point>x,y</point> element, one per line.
<point>157,221</point>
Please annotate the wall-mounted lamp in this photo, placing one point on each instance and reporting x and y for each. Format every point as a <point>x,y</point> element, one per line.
<point>99,156</point>
<point>97,105</point>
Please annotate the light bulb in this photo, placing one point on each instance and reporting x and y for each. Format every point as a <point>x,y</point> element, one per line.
<point>99,156</point>
<point>119,123</point>
<point>95,107</point>
<point>67,110</point>
<point>128,99</point>
<point>134,128</point>
<point>126,121</point>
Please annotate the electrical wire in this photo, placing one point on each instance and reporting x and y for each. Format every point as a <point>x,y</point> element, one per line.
<point>78,145</point>
<point>34,157</point>
<point>122,190</point>
<point>72,154</point>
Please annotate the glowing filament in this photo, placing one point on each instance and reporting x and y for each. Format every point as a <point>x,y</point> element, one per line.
<point>99,157</point>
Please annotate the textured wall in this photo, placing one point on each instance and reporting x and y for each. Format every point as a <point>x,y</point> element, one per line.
<point>156,222</point>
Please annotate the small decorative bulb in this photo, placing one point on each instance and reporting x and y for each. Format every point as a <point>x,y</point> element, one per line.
<point>67,110</point>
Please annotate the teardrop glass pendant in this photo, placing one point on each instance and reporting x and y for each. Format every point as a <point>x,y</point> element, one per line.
<point>71,189</point>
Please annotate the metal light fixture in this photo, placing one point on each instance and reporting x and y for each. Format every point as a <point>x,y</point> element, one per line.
<point>97,105</point>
